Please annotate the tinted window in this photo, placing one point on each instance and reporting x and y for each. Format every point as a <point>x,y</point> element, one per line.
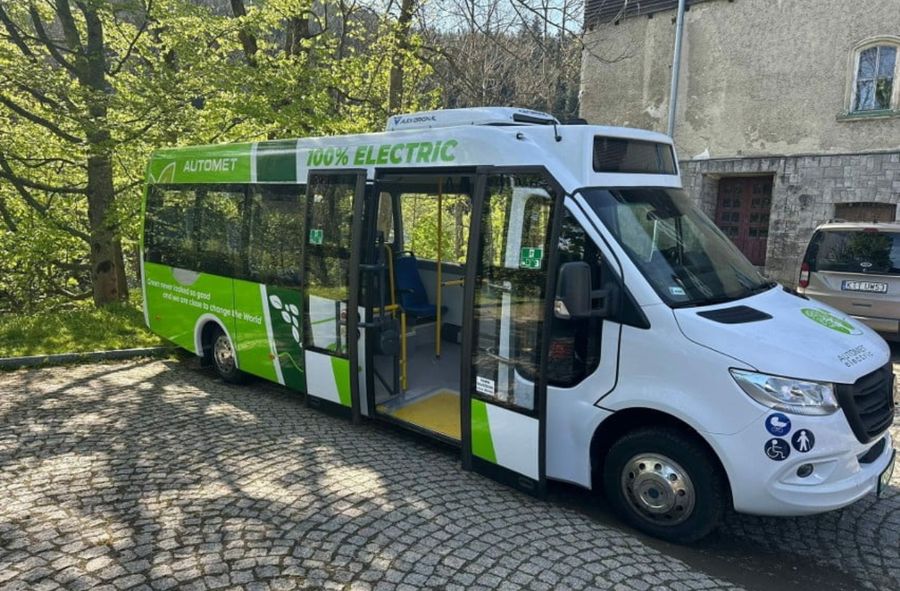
<point>170,227</point>
<point>575,343</point>
<point>220,212</point>
<point>621,155</point>
<point>276,234</point>
<point>855,252</point>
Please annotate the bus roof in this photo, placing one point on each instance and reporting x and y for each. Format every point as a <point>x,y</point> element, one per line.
<point>567,151</point>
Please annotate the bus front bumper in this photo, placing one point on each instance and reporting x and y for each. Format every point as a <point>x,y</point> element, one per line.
<point>843,469</point>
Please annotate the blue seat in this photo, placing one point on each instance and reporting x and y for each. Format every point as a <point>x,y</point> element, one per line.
<point>410,289</point>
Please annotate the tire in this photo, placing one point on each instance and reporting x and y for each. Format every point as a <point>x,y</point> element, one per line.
<point>221,352</point>
<point>664,482</point>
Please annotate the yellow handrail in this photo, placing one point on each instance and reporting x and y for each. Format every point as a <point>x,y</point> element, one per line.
<point>439,288</point>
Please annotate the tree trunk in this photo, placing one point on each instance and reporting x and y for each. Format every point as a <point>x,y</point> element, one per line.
<point>395,92</point>
<point>107,261</point>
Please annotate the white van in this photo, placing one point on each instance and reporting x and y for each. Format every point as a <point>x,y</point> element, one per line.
<point>543,296</point>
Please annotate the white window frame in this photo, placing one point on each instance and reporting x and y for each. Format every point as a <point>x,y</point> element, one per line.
<point>894,106</point>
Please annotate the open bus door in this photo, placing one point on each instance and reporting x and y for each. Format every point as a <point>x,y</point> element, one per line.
<point>509,288</point>
<point>334,203</point>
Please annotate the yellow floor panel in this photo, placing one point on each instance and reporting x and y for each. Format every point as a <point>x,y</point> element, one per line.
<point>438,412</point>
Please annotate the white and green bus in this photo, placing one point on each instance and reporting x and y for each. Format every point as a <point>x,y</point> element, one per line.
<point>542,296</point>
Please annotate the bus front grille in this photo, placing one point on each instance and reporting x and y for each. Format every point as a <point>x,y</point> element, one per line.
<point>868,403</point>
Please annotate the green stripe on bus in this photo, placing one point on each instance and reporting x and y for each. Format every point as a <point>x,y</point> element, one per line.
<point>276,161</point>
<point>341,369</point>
<point>482,444</point>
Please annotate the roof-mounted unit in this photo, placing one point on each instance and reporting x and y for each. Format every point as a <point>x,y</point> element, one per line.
<point>473,116</point>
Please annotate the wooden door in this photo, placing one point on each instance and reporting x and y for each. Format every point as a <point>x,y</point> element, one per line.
<point>742,213</point>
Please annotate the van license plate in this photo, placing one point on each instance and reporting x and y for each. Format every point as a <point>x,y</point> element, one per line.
<point>885,479</point>
<point>870,286</point>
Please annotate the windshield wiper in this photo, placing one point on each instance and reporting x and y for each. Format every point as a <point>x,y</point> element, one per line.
<point>728,298</point>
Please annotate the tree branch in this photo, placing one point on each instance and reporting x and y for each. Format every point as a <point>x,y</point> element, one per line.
<point>14,35</point>
<point>36,205</point>
<point>8,219</point>
<point>10,176</point>
<point>48,43</point>
<point>48,125</point>
<point>131,45</point>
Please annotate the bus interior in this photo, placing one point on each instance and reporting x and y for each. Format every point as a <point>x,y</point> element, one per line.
<point>418,255</point>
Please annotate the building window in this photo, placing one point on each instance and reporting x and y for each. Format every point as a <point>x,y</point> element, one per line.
<point>876,71</point>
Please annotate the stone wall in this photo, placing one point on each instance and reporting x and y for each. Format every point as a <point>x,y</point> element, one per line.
<point>804,193</point>
<point>758,77</point>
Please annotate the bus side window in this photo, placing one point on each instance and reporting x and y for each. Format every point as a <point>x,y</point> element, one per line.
<point>219,234</point>
<point>169,238</point>
<point>275,242</point>
<point>575,344</point>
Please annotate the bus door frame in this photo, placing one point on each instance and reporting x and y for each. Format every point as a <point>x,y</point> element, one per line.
<point>536,487</point>
<point>353,320</point>
<point>373,193</point>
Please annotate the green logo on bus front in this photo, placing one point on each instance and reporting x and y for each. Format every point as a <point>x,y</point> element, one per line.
<point>829,320</point>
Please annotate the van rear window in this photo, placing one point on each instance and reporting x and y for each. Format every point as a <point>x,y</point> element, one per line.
<point>612,154</point>
<point>855,252</point>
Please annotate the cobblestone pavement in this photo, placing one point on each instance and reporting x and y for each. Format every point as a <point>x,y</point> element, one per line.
<point>149,475</point>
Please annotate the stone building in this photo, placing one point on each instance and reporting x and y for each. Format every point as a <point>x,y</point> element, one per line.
<point>788,111</point>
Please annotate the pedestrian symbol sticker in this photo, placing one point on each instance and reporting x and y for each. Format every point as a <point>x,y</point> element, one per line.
<point>803,440</point>
<point>316,236</point>
<point>778,424</point>
<point>777,449</point>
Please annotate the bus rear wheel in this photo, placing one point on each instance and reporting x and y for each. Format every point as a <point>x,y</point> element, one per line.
<point>665,483</point>
<point>224,358</point>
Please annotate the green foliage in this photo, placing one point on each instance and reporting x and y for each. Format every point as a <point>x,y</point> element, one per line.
<point>178,72</point>
<point>75,328</point>
<point>420,216</point>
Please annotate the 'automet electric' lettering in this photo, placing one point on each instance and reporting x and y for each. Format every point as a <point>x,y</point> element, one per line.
<point>373,155</point>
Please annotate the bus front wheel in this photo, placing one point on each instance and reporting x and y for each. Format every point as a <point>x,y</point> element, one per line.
<point>224,358</point>
<point>665,483</point>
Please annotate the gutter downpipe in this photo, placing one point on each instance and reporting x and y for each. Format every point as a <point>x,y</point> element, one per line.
<point>676,68</point>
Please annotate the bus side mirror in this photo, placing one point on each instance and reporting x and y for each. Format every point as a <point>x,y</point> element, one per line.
<point>573,291</point>
<point>574,297</point>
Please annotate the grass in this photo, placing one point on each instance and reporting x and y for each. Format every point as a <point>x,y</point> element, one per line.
<point>78,328</point>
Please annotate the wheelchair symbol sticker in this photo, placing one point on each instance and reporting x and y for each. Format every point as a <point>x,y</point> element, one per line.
<point>778,424</point>
<point>777,449</point>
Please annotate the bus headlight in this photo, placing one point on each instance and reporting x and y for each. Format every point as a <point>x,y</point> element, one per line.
<point>786,394</point>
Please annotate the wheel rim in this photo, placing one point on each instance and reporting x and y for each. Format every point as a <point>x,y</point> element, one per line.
<point>658,489</point>
<point>223,354</point>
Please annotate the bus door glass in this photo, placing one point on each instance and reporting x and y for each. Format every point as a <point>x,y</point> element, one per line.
<point>508,292</point>
<point>329,331</point>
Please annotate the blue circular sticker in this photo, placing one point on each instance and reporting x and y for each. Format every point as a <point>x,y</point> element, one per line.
<point>777,449</point>
<point>778,424</point>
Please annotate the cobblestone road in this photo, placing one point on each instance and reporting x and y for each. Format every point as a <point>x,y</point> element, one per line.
<point>149,475</point>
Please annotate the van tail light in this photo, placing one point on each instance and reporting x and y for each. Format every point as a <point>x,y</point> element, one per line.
<point>804,275</point>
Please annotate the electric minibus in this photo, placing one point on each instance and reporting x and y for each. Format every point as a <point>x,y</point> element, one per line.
<point>543,296</point>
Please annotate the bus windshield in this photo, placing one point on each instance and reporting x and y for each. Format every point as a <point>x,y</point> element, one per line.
<point>683,255</point>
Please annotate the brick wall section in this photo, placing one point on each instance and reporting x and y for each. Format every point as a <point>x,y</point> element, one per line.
<point>804,193</point>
